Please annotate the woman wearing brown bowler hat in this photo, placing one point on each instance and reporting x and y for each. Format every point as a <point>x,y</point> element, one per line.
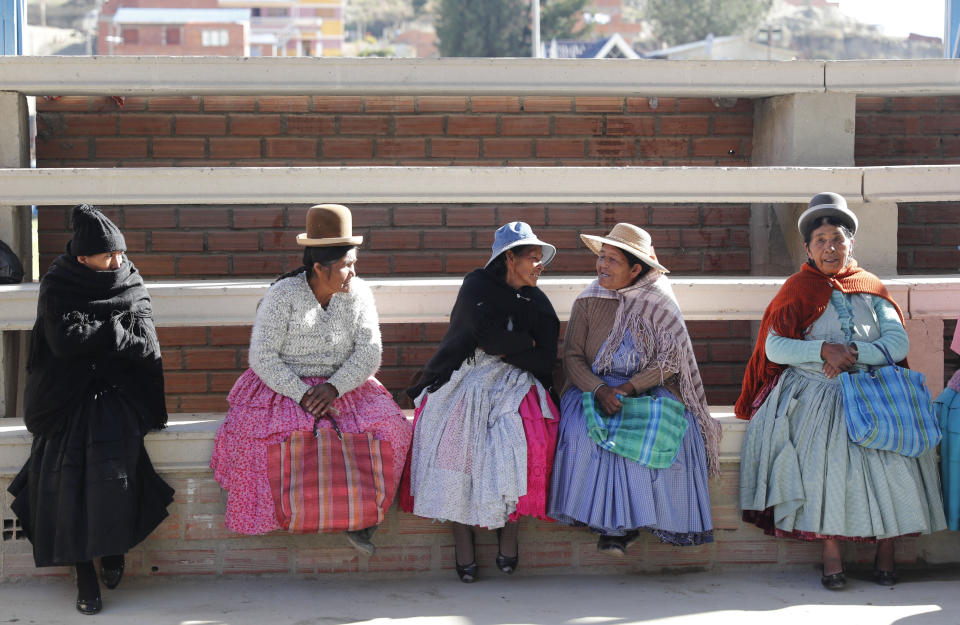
<point>314,350</point>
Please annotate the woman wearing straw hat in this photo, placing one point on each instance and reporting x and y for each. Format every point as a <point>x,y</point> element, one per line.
<point>313,352</point>
<point>486,422</point>
<point>800,474</point>
<point>626,339</point>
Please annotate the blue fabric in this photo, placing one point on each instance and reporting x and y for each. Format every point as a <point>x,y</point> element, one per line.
<point>948,410</point>
<point>889,408</point>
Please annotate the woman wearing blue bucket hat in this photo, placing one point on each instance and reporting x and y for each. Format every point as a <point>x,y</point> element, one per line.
<point>486,424</point>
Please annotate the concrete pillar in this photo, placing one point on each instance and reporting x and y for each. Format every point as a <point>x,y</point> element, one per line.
<point>15,230</point>
<point>812,130</point>
<point>926,350</point>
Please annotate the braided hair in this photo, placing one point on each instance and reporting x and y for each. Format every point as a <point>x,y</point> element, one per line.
<point>326,256</point>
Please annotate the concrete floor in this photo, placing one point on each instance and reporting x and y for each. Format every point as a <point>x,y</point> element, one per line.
<point>741,596</point>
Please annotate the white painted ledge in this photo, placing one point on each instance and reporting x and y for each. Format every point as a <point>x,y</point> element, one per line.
<point>271,185</point>
<point>425,300</point>
<point>911,183</point>
<point>919,77</point>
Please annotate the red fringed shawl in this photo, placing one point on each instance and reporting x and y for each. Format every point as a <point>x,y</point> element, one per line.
<point>800,301</point>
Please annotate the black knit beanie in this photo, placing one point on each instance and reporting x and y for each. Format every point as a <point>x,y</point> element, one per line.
<point>93,232</point>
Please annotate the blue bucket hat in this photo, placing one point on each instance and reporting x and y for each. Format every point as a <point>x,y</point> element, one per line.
<point>518,233</point>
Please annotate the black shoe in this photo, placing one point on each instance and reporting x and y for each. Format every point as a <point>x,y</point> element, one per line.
<point>884,578</point>
<point>468,573</point>
<point>360,539</point>
<point>834,581</point>
<point>612,545</point>
<point>89,606</point>
<point>88,590</point>
<point>505,564</point>
<point>111,570</point>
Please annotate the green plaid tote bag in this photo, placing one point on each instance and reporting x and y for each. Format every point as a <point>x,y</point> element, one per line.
<point>645,430</point>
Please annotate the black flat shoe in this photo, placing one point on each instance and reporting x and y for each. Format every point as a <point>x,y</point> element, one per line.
<point>89,606</point>
<point>506,564</point>
<point>110,572</point>
<point>468,573</point>
<point>834,581</point>
<point>88,590</point>
<point>884,578</point>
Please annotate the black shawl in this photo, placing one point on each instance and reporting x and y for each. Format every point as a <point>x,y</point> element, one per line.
<point>92,325</point>
<point>485,307</point>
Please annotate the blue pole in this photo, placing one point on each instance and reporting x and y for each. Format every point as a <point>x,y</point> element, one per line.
<point>13,18</point>
<point>951,37</point>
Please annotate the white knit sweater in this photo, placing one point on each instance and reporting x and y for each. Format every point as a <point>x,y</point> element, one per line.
<point>294,337</point>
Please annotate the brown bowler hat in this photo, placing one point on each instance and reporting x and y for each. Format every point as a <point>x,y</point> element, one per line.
<point>327,225</point>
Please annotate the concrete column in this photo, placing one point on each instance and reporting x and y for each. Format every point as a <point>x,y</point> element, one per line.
<point>926,349</point>
<point>15,231</point>
<point>812,130</point>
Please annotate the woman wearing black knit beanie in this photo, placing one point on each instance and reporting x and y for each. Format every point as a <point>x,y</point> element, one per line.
<point>94,389</point>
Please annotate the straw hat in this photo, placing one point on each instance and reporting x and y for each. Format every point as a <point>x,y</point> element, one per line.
<point>328,225</point>
<point>518,233</point>
<point>630,239</point>
<point>827,204</point>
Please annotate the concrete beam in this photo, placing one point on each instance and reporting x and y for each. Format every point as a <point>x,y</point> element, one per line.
<point>915,77</point>
<point>131,75</point>
<point>911,183</point>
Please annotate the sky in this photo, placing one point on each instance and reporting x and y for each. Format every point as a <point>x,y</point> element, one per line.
<point>899,18</point>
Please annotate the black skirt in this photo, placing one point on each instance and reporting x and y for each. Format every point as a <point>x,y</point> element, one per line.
<point>89,490</point>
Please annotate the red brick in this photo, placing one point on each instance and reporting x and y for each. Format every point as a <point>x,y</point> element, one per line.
<point>206,527</point>
<point>915,104</point>
<point>145,124</point>
<point>471,216</point>
<point>524,125</point>
<point>173,104</point>
<point>417,264</point>
<point>177,241</point>
<point>210,358</point>
<point>216,402</point>
<point>120,148</point>
<point>948,260</point>
<point>233,241</point>
<point>278,241</point>
<point>611,148</point>
<point>365,125</point>
<point>347,148</point>
<point>170,529</point>
<point>200,124</point>
<point>64,103</point>
<point>533,215</point>
<point>650,105</point>
<point>401,148</point>
<point>733,125</point>
<point>182,382</point>
<point>284,104</point>
<point>204,217</point>
<point>265,560</point>
<point>715,146</point>
<point>546,554</point>
<point>578,125</point>
<point>494,104</point>
<point>182,561</point>
<point>706,237</point>
<point>389,104</point>
<point>53,242</point>
<point>394,240</point>
<point>325,560</point>
<point>291,148</point>
<point>662,148</point>
<point>419,125</point>
<point>633,126</point>
<point>916,235</point>
<point>154,265</point>
<point>920,146</point>
<point>441,103</point>
<point>407,558</point>
<point>895,124</point>
<point>265,217</point>
<point>547,104</point>
<point>870,103</point>
<point>684,125</point>
<point>258,264</point>
<point>179,148</point>
<point>547,148</point>
<point>87,124</point>
<point>149,217</point>
<point>471,125</point>
<point>207,265</point>
<point>401,332</point>
<point>182,336</point>
<point>338,104</point>
<point>465,262</point>
<point>172,359</point>
<point>871,146</point>
<point>696,105</point>
<point>52,218</point>
<point>757,551</point>
<point>572,216</point>
<point>259,125</point>
<point>731,351</point>
<point>418,355</point>
<point>726,215</point>
<point>370,264</point>
<point>507,148</point>
<point>230,148</point>
<point>57,148</point>
<point>599,104</point>
<point>670,557</point>
<point>230,335</point>
<point>454,148</point>
<point>22,565</point>
<point>310,125</point>
<point>222,382</point>
<point>229,103</point>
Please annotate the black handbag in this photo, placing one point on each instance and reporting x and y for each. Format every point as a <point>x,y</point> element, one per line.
<point>11,269</point>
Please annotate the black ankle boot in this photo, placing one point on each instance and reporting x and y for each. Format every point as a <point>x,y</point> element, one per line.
<point>88,590</point>
<point>111,570</point>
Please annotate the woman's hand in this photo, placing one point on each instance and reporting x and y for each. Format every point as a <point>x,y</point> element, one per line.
<point>319,399</point>
<point>607,396</point>
<point>837,358</point>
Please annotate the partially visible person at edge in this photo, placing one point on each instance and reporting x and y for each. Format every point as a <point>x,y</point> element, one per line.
<point>94,389</point>
<point>486,423</point>
<point>801,476</point>
<point>314,350</point>
<point>948,412</point>
<point>626,337</point>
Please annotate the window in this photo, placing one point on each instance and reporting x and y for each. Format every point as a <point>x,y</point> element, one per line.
<point>215,38</point>
<point>172,36</point>
<point>130,35</point>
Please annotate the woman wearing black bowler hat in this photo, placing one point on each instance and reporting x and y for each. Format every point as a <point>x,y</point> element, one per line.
<point>94,389</point>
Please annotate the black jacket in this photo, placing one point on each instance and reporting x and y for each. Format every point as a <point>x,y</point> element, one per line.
<point>92,326</point>
<point>486,306</point>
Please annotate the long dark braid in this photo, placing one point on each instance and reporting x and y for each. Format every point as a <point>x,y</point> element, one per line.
<point>326,256</point>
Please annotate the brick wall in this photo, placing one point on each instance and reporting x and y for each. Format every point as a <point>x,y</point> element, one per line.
<point>915,131</point>
<point>391,130</point>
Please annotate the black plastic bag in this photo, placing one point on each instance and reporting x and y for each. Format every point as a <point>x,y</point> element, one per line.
<point>11,269</point>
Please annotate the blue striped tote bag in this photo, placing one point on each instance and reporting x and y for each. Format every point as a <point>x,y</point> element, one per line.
<point>889,408</point>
